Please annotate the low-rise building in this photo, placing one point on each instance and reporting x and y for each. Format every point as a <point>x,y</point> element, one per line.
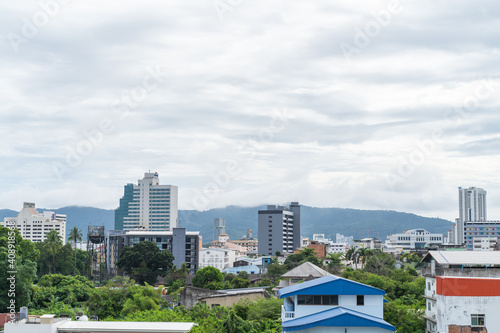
<point>190,296</point>
<point>485,243</point>
<point>462,291</point>
<point>368,243</point>
<point>411,240</point>
<point>304,272</point>
<point>223,243</point>
<point>49,324</point>
<point>183,244</point>
<point>35,226</point>
<point>333,304</point>
<point>218,258</point>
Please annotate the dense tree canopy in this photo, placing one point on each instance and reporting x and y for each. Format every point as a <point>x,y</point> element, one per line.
<point>144,262</point>
<point>17,264</point>
<point>209,278</point>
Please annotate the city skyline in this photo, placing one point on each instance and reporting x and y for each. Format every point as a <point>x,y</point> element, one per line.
<point>367,105</point>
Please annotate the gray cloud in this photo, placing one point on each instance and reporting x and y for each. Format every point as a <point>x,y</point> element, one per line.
<point>349,127</point>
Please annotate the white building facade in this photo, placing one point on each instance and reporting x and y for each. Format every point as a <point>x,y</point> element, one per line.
<point>218,258</point>
<point>148,205</point>
<point>415,239</point>
<point>462,291</point>
<point>333,304</point>
<point>35,226</point>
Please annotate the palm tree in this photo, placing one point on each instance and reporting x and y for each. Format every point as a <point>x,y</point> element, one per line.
<point>54,244</point>
<point>351,255</point>
<point>363,253</point>
<point>75,235</point>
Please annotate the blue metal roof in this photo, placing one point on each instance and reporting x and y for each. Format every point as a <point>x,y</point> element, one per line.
<point>336,317</point>
<point>330,285</point>
<point>249,269</point>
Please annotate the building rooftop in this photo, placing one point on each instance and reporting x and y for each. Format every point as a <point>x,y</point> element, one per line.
<point>336,317</point>
<point>330,285</point>
<point>69,326</point>
<point>464,257</point>
<point>305,270</point>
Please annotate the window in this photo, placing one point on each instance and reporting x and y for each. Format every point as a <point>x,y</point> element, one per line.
<point>331,300</point>
<point>295,280</point>
<point>428,285</point>
<point>360,300</point>
<point>477,319</point>
<point>317,300</point>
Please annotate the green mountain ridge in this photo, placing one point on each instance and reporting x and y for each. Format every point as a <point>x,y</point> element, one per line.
<point>329,221</point>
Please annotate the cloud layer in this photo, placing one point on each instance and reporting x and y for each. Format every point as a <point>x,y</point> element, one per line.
<point>366,104</point>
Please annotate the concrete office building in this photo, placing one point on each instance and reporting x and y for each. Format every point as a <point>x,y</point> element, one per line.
<point>184,245</point>
<point>35,226</point>
<point>148,205</point>
<point>474,231</point>
<point>279,229</point>
<point>410,240</point>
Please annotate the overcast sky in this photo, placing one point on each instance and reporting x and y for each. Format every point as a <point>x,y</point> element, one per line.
<point>356,104</point>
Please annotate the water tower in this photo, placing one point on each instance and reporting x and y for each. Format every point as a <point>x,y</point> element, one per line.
<point>96,253</point>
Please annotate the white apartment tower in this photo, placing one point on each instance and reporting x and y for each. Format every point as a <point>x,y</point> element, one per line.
<point>472,208</point>
<point>148,205</point>
<point>35,226</point>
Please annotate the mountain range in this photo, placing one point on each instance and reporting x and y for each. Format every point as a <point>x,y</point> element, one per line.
<point>329,221</point>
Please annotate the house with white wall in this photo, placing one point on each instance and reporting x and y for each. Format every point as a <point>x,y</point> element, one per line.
<point>462,291</point>
<point>218,258</point>
<point>333,304</point>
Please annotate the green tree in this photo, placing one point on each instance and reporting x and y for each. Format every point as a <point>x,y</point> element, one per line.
<point>142,299</point>
<point>75,235</point>
<point>208,277</point>
<point>67,289</point>
<point>363,254</point>
<point>306,254</point>
<point>335,265</point>
<point>16,255</point>
<point>54,244</point>
<point>380,263</point>
<point>144,262</point>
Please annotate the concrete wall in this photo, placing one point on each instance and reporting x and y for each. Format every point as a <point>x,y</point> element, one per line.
<point>451,310</point>
<point>190,295</point>
<point>230,300</point>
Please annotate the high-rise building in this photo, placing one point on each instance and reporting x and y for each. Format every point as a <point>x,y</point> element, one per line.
<point>219,227</point>
<point>472,204</point>
<point>471,208</point>
<point>35,226</point>
<point>279,229</point>
<point>148,205</point>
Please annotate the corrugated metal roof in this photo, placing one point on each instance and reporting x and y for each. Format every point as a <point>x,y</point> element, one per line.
<point>115,326</point>
<point>306,269</point>
<point>465,257</point>
<point>337,317</point>
<point>330,285</point>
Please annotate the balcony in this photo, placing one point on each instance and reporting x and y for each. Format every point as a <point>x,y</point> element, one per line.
<point>286,315</point>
